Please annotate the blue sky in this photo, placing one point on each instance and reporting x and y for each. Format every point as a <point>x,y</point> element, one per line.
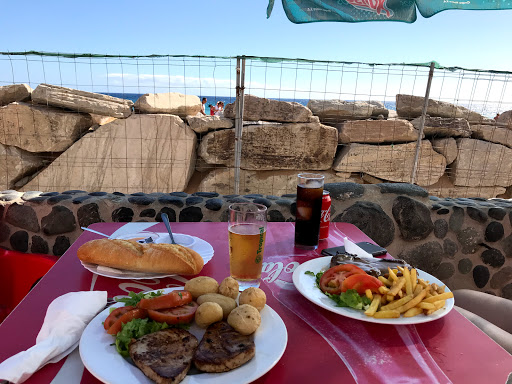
<point>470,39</point>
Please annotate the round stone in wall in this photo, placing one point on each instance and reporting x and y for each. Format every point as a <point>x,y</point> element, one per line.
<point>122,215</point>
<point>81,199</point>
<point>465,266</point>
<point>481,276</point>
<point>443,211</point>
<point>506,292</point>
<point>214,204</point>
<point>61,245</point>
<point>193,200</point>
<point>502,277</point>
<point>371,219</point>
<point>141,200</point>
<point>469,239</point>
<point>179,194</point>
<point>440,228</point>
<point>22,216</point>
<point>59,220</point>
<point>5,231</point>
<point>450,248</point>
<point>88,214</point>
<point>148,213</point>
<point>494,231</point>
<point>263,201</point>
<point>171,200</point>
<point>445,271</point>
<point>39,245</point>
<point>19,241</point>
<point>427,256</point>
<point>208,195</point>
<point>493,257</point>
<point>456,219</point>
<point>343,191</point>
<point>497,213</point>
<point>170,213</point>
<point>507,246</point>
<point>275,215</point>
<point>191,214</point>
<point>413,218</point>
<point>403,189</point>
<point>477,214</point>
<point>57,199</point>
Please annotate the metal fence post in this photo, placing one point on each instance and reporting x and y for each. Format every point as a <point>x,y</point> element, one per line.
<point>422,123</point>
<point>239,118</point>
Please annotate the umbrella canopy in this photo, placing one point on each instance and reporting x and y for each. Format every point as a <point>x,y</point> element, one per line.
<point>309,11</point>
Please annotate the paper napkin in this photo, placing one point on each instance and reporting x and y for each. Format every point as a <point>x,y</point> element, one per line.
<point>354,249</point>
<point>65,320</point>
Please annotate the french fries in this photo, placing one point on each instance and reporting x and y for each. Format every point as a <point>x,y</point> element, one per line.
<point>403,293</point>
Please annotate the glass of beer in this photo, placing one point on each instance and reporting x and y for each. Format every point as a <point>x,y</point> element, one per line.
<point>247,229</point>
<point>310,189</point>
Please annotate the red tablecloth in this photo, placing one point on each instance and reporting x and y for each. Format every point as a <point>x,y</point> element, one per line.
<point>461,350</point>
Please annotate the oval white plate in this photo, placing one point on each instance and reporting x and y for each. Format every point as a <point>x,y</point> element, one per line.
<point>305,284</point>
<point>108,366</point>
<point>201,246</point>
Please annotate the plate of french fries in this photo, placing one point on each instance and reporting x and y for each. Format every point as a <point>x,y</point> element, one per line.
<point>408,296</point>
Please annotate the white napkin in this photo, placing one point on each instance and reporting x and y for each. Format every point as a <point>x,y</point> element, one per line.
<point>354,249</point>
<point>65,320</point>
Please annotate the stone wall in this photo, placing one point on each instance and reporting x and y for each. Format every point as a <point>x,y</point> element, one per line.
<point>57,139</point>
<point>465,242</point>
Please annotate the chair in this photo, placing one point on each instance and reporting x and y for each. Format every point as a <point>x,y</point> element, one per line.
<point>19,272</point>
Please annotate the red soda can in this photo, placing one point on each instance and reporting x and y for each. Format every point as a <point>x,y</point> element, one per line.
<point>325,218</point>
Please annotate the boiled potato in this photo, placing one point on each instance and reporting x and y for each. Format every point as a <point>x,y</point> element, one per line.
<point>229,287</point>
<point>253,296</point>
<point>201,285</point>
<point>227,303</point>
<point>245,319</point>
<point>208,313</point>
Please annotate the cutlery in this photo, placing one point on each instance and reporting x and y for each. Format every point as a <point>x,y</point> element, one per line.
<point>146,240</point>
<point>165,218</point>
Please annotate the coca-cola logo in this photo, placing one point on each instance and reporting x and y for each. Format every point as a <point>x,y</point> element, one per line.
<point>325,216</point>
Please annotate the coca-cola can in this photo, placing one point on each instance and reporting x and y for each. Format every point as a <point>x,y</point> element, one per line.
<point>325,218</point>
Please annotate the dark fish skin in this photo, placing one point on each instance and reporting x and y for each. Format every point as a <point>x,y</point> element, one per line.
<point>164,356</point>
<point>223,349</point>
<point>375,267</point>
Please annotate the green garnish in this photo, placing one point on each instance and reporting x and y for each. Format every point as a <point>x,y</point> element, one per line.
<point>181,296</point>
<point>350,298</point>
<point>134,298</point>
<point>138,328</point>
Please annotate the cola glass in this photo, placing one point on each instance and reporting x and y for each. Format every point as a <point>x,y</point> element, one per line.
<point>310,189</point>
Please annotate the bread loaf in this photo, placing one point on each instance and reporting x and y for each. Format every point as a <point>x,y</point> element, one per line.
<point>130,255</point>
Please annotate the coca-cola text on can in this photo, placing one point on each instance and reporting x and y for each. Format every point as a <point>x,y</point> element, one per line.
<point>325,217</point>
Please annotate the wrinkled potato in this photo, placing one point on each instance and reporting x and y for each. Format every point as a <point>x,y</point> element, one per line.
<point>229,287</point>
<point>227,303</point>
<point>245,319</point>
<point>208,313</point>
<point>253,296</point>
<point>201,285</point>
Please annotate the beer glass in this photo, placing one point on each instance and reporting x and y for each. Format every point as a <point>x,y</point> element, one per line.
<point>310,188</point>
<point>247,229</point>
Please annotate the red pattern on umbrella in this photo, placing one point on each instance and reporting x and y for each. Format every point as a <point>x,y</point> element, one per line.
<point>377,6</point>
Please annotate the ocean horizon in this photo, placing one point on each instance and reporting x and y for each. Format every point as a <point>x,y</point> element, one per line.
<point>391,105</point>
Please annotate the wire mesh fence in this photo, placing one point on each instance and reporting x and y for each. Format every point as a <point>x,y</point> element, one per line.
<point>138,124</point>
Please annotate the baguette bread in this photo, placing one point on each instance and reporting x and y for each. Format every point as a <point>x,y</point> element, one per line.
<point>132,256</point>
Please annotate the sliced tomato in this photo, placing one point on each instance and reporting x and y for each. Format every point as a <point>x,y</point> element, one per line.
<point>170,300</point>
<point>137,313</point>
<point>361,283</point>
<point>332,279</point>
<point>115,315</point>
<point>177,315</point>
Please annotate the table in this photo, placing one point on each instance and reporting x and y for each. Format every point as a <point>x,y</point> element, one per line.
<point>460,349</point>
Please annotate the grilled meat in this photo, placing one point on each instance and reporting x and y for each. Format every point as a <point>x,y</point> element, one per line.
<point>164,356</point>
<point>374,267</point>
<point>223,349</point>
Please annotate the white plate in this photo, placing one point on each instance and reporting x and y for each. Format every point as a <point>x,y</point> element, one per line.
<point>305,284</point>
<point>201,246</point>
<point>108,366</point>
